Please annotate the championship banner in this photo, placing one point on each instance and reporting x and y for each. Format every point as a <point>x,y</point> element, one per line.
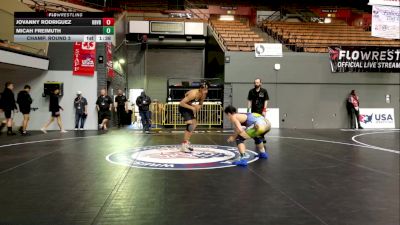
<point>84,58</point>
<point>364,59</point>
<point>109,60</point>
<point>385,22</point>
<point>377,117</point>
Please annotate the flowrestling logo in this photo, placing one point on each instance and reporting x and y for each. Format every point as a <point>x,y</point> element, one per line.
<point>364,59</point>
<point>169,157</point>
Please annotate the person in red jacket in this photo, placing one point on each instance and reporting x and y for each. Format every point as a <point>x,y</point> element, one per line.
<point>354,103</point>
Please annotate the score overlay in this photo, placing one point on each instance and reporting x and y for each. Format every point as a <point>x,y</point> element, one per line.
<point>63,27</point>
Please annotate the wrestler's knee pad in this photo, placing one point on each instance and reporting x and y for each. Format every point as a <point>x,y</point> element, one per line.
<point>240,140</point>
<point>259,140</point>
<point>189,127</point>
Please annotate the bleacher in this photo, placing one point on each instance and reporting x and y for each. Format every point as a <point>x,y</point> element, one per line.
<point>144,5</point>
<point>168,19</point>
<point>316,37</point>
<point>7,44</point>
<point>235,35</point>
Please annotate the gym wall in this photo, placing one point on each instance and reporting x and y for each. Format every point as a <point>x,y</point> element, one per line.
<point>305,89</point>
<point>60,69</point>
<point>88,85</point>
<point>150,68</point>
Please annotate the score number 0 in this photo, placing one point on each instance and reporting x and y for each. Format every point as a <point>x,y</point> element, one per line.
<point>108,21</point>
<point>108,25</point>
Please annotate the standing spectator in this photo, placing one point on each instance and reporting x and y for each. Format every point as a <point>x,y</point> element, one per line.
<point>257,99</point>
<point>354,110</point>
<point>24,101</point>
<point>80,104</point>
<point>54,108</point>
<point>8,105</point>
<point>143,102</point>
<point>3,121</point>
<point>121,107</point>
<point>103,105</point>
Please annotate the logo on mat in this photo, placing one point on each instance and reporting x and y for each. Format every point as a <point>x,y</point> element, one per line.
<point>169,157</point>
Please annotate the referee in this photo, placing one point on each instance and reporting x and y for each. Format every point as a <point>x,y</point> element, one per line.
<point>258,100</point>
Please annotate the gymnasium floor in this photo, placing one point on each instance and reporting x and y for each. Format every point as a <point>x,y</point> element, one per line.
<point>312,177</point>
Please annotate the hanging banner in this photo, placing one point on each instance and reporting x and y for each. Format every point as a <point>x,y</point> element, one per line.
<point>337,13</point>
<point>84,58</point>
<point>365,59</point>
<point>268,50</point>
<point>109,60</point>
<point>384,2</point>
<point>377,117</point>
<point>385,22</point>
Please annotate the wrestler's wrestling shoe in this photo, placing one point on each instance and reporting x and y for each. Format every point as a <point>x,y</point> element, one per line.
<point>263,155</point>
<point>190,146</point>
<point>186,147</point>
<point>241,160</point>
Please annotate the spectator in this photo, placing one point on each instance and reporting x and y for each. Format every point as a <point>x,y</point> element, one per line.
<point>104,105</point>
<point>9,106</point>
<point>80,104</point>
<point>24,101</point>
<point>143,102</point>
<point>354,110</point>
<point>121,107</point>
<point>3,121</point>
<point>54,108</point>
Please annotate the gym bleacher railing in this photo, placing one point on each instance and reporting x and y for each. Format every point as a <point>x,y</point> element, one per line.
<point>6,38</point>
<point>168,115</point>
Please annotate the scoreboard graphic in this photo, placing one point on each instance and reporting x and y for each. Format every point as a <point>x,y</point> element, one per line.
<point>63,27</point>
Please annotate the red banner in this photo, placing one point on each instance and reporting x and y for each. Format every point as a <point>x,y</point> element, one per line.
<point>84,58</point>
<point>109,60</point>
<point>334,13</point>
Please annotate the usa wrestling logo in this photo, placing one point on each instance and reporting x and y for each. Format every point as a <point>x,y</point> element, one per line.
<point>169,157</point>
